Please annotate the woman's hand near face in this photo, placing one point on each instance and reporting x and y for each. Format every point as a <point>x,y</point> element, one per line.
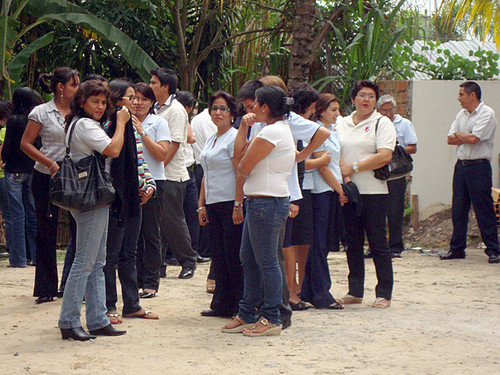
<point>249,119</point>
<point>122,116</point>
<point>137,124</point>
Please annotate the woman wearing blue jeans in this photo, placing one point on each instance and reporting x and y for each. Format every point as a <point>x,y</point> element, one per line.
<point>18,171</point>
<point>86,278</point>
<point>266,167</point>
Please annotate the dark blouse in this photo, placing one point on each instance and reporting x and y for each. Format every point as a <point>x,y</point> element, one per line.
<point>15,160</point>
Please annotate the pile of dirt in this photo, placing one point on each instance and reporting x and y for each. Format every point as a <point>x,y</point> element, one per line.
<point>435,232</point>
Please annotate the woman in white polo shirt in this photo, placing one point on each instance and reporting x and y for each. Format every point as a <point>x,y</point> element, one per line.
<point>266,166</point>
<point>217,193</point>
<point>367,140</point>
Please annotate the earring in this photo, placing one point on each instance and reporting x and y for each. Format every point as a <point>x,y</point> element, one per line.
<point>262,110</point>
<point>62,96</point>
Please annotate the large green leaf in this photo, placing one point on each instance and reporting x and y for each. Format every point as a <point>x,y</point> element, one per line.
<point>18,63</point>
<point>131,51</point>
<point>8,35</point>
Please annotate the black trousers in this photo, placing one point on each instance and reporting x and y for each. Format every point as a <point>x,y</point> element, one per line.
<point>203,236</point>
<point>149,244</point>
<point>472,184</point>
<point>189,206</point>
<point>225,244</point>
<point>371,222</point>
<point>46,237</point>
<point>121,249</point>
<point>395,213</point>
<point>174,230</point>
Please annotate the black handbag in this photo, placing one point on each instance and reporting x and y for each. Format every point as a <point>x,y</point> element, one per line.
<point>82,185</point>
<point>400,165</point>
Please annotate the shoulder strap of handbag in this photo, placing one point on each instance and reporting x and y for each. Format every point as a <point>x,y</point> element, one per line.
<point>70,130</point>
<point>376,128</point>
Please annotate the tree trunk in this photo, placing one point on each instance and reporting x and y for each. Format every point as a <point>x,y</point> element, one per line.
<point>303,32</point>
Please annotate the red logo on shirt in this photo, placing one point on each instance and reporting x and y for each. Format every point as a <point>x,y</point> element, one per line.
<point>367,129</point>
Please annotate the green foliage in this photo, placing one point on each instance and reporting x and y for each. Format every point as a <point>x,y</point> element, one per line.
<point>480,65</point>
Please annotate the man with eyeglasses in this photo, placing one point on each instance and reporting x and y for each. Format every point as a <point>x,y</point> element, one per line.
<point>174,229</point>
<point>386,106</point>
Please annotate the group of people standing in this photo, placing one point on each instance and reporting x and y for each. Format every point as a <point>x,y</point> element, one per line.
<point>285,179</point>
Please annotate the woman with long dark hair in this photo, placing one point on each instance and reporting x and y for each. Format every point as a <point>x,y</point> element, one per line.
<point>18,171</point>
<point>266,166</point>
<point>47,121</point>
<point>86,278</point>
<point>125,211</point>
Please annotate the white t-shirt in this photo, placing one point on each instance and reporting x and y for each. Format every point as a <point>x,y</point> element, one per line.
<point>203,128</point>
<point>359,142</point>
<point>177,118</point>
<point>270,176</point>
<point>157,129</point>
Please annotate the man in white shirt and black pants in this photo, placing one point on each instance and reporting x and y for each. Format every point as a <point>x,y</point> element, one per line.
<point>473,131</point>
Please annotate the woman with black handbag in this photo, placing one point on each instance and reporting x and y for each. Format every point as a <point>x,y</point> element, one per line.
<point>84,137</point>
<point>367,140</point>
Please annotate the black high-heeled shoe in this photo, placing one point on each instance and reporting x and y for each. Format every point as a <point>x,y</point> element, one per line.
<point>40,300</point>
<point>76,333</point>
<point>108,330</point>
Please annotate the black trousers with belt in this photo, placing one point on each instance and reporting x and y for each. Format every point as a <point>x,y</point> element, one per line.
<point>472,184</point>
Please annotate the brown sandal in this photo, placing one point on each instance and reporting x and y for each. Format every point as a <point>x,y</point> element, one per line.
<point>114,317</point>
<point>263,328</point>
<point>142,314</point>
<point>236,325</point>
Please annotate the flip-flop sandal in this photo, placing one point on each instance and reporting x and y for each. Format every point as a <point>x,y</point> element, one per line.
<point>114,318</point>
<point>271,329</point>
<point>335,306</point>
<point>300,306</point>
<point>146,315</point>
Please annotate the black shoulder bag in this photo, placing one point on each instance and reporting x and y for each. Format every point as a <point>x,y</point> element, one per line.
<point>400,165</point>
<point>83,185</point>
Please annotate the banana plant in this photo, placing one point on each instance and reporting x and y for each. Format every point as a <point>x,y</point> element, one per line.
<point>46,11</point>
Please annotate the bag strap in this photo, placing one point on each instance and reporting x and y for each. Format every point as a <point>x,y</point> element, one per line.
<point>71,129</point>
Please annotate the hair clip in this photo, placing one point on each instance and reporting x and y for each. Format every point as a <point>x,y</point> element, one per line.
<point>288,100</point>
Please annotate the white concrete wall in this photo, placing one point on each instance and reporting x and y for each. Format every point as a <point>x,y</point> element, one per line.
<point>434,107</point>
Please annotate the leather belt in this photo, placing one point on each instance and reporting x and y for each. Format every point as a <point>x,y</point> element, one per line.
<point>466,162</point>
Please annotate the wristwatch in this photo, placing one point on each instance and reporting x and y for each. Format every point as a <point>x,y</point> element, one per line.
<point>355,166</point>
<point>143,133</point>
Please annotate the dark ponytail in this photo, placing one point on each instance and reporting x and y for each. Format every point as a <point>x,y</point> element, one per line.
<point>59,75</point>
<point>275,98</point>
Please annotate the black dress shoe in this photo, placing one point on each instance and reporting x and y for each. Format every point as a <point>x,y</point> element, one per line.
<point>210,312</point>
<point>200,259</point>
<point>109,330</point>
<point>76,333</point>
<point>40,300</point>
<point>368,254</point>
<point>172,262</point>
<point>494,258</point>
<point>452,255</point>
<point>147,295</point>
<point>186,273</point>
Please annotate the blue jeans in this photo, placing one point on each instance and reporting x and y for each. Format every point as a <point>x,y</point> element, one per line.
<point>86,277</point>
<point>261,270</point>
<point>22,217</point>
<point>4,207</point>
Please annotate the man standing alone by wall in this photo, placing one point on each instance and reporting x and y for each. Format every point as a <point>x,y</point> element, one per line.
<point>473,132</point>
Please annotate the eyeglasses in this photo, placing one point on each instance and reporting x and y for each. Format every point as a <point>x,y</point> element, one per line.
<point>364,96</point>
<point>222,109</point>
<point>128,98</point>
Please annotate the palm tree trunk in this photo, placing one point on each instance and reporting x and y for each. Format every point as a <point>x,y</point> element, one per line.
<point>303,32</point>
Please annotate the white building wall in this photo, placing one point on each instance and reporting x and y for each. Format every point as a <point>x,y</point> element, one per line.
<point>434,107</point>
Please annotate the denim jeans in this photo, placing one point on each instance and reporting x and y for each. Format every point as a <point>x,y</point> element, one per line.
<point>261,270</point>
<point>4,207</point>
<point>22,218</point>
<point>86,277</point>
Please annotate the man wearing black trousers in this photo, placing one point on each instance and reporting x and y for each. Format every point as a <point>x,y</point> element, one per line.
<point>473,132</point>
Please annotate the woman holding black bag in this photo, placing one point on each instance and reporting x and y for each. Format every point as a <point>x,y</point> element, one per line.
<point>367,140</point>
<point>86,278</point>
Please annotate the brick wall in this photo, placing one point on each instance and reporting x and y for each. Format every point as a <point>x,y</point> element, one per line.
<point>402,93</point>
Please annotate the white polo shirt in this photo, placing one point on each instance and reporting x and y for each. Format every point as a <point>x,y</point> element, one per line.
<point>482,123</point>
<point>203,127</point>
<point>177,119</point>
<point>359,142</point>
<point>157,129</point>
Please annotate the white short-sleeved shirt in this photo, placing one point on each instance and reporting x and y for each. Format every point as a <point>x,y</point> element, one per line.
<point>52,132</point>
<point>302,130</point>
<point>177,118</point>
<point>87,137</point>
<point>359,142</point>
<point>189,155</point>
<point>270,176</point>
<point>331,145</point>
<point>157,129</point>
<point>203,127</point>
<point>405,131</point>
<point>219,174</point>
<point>482,123</point>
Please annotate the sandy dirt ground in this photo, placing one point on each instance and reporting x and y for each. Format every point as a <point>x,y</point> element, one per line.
<point>444,319</point>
